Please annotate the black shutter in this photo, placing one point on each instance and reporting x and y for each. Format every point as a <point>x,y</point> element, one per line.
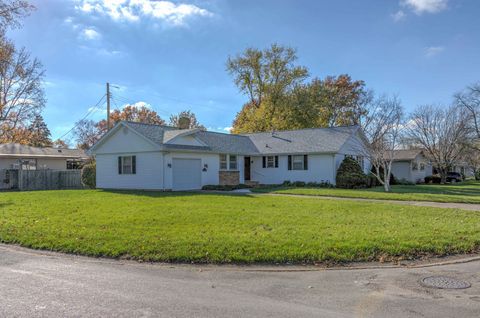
<point>119,165</point>
<point>276,161</point>
<point>305,162</point>
<point>134,164</point>
<point>264,161</point>
<point>289,162</point>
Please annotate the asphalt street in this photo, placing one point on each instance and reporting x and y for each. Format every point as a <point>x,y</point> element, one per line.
<point>39,284</point>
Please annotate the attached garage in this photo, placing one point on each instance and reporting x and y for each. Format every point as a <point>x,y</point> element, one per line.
<point>187,174</point>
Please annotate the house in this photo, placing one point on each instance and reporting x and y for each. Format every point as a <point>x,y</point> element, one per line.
<point>17,156</point>
<point>142,156</point>
<point>411,165</point>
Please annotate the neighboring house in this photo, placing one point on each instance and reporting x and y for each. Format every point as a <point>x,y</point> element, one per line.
<point>21,157</point>
<point>411,165</point>
<point>141,156</point>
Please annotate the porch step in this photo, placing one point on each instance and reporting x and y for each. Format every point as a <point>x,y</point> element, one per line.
<point>251,183</point>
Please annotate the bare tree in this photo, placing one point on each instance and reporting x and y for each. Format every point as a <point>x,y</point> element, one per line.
<point>382,126</point>
<point>87,133</point>
<point>21,91</point>
<point>470,101</point>
<point>12,11</point>
<point>443,133</point>
<point>472,158</point>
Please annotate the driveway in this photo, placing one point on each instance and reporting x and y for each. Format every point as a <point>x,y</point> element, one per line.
<point>38,284</point>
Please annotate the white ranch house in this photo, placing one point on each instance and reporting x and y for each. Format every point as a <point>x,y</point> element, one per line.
<point>411,165</point>
<point>141,156</point>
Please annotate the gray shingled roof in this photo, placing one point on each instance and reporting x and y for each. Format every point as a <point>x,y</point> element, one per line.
<point>406,155</point>
<point>18,150</point>
<point>314,140</point>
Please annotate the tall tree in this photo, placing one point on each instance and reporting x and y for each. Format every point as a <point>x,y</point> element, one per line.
<point>12,11</point>
<point>443,132</point>
<point>59,143</point>
<point>141,114</point>
<point>39,133</point>
<point>271,72</point>
<point>185,120</point>
<point>87,133</point>
<point>382,126</point>
<point>469,100</point>
<point>21,91</point>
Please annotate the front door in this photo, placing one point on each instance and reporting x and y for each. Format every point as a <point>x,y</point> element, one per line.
<point>246,168</point>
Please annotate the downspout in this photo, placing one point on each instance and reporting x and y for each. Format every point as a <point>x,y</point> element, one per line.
<point>163,171</point>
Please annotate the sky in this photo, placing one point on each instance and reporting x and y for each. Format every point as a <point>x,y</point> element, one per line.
<point>171,55</point>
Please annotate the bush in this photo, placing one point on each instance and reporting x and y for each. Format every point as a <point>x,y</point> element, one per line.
<point>217,187</point>
<point>404,182</point>
<point>350,175</point>
<point>88,175</point>
<point>477,175</point>
<point>433,179</point>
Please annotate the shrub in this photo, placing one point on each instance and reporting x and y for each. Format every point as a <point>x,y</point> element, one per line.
<point>404,182</point>
<point>299,184</point>
<point>477,175</point>
<point>217,187</point>
<point>350,175</point>
<point>433,179</point>
<point>88,175</point>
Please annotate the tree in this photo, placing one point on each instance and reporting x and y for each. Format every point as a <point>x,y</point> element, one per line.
<point>59,143</point>
<point>382,126</point>
<point>185,120</point>
<point>141,114</point>
<point>271,71</point>
<point>21,91</point>
<point>87,133</point>
<point>39,133</point>
<point>12,11</point>
<point>443,132</point>
<point>472,158</point>
<point>469,100</point>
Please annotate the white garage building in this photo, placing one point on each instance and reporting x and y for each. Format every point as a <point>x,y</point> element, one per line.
<point>142,156</point>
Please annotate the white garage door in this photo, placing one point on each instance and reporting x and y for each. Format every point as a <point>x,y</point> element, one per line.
<point>187,174</point>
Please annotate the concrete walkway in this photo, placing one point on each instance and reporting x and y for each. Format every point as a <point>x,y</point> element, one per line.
<point>462,206</point>
<point>42,284</point>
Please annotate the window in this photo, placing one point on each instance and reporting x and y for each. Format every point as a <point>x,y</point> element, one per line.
<point>422,166</point>
<point>228,162</point>
<point>360,161</point>
<point>127,165</point>
<point>233,162</point>
<point>223,162</point>
<point>28,164</point>
<point>270,162</point>
<point>297,163</point>
<point>74,164</point>
<point>414,165</point>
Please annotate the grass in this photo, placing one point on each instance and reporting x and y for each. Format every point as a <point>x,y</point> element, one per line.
<point>465,192</point>
<point>221,228</point>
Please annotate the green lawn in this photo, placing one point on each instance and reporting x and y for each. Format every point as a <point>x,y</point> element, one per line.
<point>465,192</point>
<point>220,228</point>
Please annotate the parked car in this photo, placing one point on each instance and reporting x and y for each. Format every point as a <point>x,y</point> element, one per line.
<point>454,177</point>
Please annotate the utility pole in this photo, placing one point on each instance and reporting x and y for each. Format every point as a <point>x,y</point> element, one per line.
<point>108,106</point>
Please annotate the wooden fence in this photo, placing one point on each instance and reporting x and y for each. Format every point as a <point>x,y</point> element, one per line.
<point>44,179</point>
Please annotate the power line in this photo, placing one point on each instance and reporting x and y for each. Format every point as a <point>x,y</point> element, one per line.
<point>91,111</point>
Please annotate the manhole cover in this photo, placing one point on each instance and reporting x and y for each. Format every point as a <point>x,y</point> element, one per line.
<point>444,282</point>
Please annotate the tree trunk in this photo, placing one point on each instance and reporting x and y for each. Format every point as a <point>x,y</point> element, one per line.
<point>443,176</point>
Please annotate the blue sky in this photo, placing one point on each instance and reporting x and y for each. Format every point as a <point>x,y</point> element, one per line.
<point>172,55</point>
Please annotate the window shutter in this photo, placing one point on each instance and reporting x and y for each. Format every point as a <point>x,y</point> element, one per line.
<point>276,161</point>
<point>289,162</point>
<point>134,164</point>
<point>305,162</point>
<point>264,161</point>
<point>119,165</point>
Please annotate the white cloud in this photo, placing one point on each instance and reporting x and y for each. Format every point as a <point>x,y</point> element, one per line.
<point>227,129</point>
<point>134,10</point>
<point>398,16</point>
<point>433,51</point>
<point>425,6</point>
<point>90,34</point>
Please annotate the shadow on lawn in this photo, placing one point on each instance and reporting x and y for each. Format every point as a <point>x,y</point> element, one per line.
<point>160,194</point>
